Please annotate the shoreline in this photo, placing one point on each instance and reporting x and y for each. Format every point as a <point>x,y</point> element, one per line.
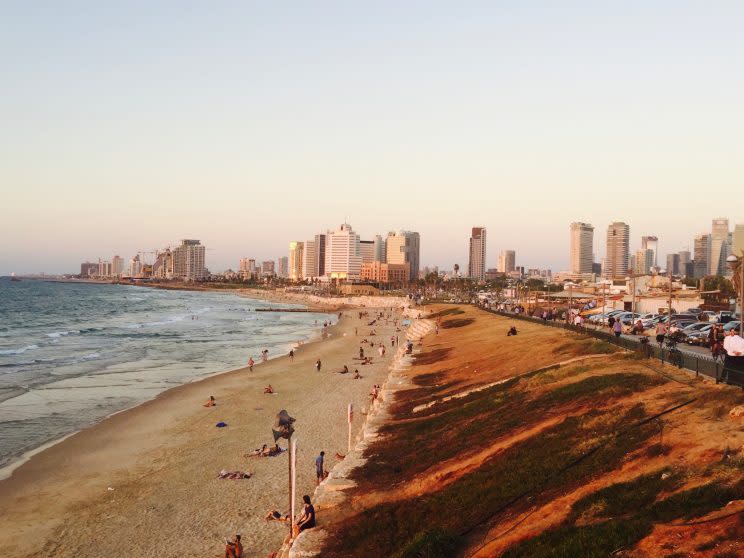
<point>18,460</point>
<point>41,472</point>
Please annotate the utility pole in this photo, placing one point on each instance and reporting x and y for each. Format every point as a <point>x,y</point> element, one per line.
<point>670,298</point>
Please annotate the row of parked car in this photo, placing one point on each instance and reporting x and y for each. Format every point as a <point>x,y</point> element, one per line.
<point>693,325</point>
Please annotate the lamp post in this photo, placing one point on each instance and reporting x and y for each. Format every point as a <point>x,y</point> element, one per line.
<point>283,428</point>
<point>732,259</point>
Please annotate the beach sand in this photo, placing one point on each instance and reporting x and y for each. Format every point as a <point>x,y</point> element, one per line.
<point>144,482</point>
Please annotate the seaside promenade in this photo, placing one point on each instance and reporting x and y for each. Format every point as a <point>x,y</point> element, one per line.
<point>144,482</point>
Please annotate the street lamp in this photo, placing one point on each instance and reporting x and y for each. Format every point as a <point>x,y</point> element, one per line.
<point>732,259</point>
<point>283,428</point>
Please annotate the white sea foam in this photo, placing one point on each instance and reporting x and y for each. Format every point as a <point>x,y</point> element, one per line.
<point>19,351</point>
<point>57,334</point>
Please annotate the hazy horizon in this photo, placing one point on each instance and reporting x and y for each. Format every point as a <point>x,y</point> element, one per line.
<point>126,128</point>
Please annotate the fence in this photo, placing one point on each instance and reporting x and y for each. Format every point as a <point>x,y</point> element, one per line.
<point>700,364</point>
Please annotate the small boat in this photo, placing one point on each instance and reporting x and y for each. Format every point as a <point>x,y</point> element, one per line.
<point>13,277</point>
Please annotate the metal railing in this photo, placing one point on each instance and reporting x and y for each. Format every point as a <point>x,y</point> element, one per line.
<point>700,364</point>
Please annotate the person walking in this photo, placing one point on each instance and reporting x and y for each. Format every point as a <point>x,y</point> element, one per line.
<point>291,355</point>
<point>661,331</point>
<point>319,468</point>
<point>317,365</point>
<point>617,328</point>
<point>251,362</point>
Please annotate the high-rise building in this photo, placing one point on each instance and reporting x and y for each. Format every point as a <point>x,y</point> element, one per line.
<point>379,246</point>
<point>310,261</point>
<point>343,260</point>
<point>702,255</point>
<point>367,251</point>
<point>618,247</point>
<point>283,266</point>
<point>188,261</point>
<point>582,247</point>
<point>404,247</point>
<point>246,268</point>
<point>507,261</point>
<point>267,268</point>
<point>135,267</point>
<point>104,269</point>
<point>644,261</point>
<point>87,269</point>
<point>672,264</point>
<point>477,259</point>
<point>719,246</point>
<point>684,262</point>
<point>651,243</point>
<point>737,245</point>
<point>117,266</point>
<point>296,259</point>
<point>163,266</point>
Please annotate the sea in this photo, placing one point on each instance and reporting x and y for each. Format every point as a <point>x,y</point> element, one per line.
<point>72,354</point>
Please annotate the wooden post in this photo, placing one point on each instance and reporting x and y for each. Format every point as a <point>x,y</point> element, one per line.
<point>293,479</point>
<point>350,419</point>
<point>291,489</point>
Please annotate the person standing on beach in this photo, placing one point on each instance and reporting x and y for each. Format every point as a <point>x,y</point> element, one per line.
<point>251,362</point>
<point>319,468</point>
<point>317,365</point>
<point>291,355</point>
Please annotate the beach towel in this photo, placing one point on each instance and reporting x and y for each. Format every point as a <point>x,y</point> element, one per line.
<point>221,424</point>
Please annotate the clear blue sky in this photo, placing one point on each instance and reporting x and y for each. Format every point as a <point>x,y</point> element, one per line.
<point>129,125</point>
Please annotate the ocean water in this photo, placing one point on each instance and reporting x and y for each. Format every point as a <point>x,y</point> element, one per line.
<point>72,354</point>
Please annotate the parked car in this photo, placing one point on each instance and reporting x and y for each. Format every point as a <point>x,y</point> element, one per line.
<point>725,316</point>
<point>700,337</point>
<point>731,325</point>
<point>708,316</point>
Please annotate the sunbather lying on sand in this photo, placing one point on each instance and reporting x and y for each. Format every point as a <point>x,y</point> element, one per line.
<point>233,475</point>
<point>339,456</point>
<point>264,451</point>
<point>269,389</point>
<point>276,450</point>
<point>210,402</point>
<point>274,515</point>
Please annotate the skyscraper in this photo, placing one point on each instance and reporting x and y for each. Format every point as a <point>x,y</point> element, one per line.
<point>379,248</point>
<point>582,247</point>
<point>342,257</point>
<point>702,255</point>
<point>367,251</point>
<point>651,243</point>
<point>672,264</point>
<point>684,262</point>
<point>477,259</point>
<point>296,259</point>
<point>719,246</point>
<point>644,261</point>
<point>117,266</point>
<point>310,260</point>
<point>283,266</point>
<point>737,246</point>
<point>507,261</point>
<point>403,247</point>
<point>618,246</point>
<point>188,261</point>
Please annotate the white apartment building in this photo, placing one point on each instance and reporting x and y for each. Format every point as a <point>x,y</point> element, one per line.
<point>343,259</point>
<point>507,261</point>
<point>477,255</point>
<point>618,247</point>
<point>188,261</point>
<point>404,247</point>
<point>582,247</point>
<point>296,260</point>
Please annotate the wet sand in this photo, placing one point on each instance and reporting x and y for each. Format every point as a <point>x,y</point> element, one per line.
<point>144,482</point>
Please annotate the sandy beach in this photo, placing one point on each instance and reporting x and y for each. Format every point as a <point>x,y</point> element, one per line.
<point>144,482</point>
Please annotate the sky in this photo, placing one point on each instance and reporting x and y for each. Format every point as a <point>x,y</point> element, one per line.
<point>125,126</point>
